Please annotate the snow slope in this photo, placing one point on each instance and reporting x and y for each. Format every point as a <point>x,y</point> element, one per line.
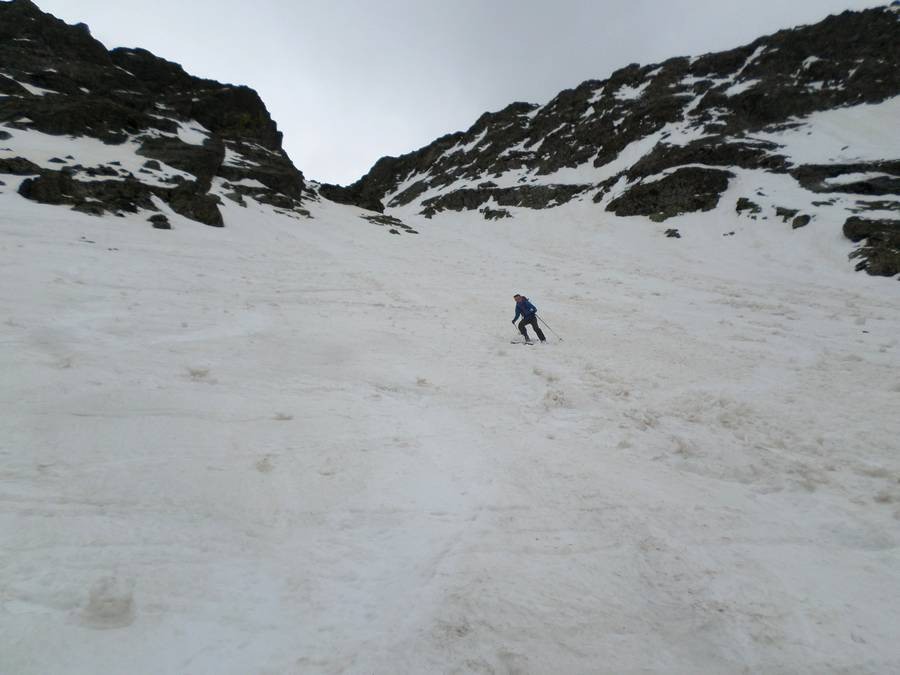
<point>307,446</point>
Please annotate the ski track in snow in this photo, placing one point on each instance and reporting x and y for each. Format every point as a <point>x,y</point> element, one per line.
<point>307,446</point>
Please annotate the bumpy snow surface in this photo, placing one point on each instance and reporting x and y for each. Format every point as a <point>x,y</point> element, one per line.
<point>308,446</point>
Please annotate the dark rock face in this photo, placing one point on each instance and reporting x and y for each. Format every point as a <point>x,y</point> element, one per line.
<point>692,113</point>
<point>856,229</point>
<point>19,166</point>
<point>800,221</point>
<point>683,191</point>
<point>391,223</point>
<point>880,255</point>
<point>745,204</point>
<point>160,222</point>
<point>131,96</point>
<point>785,214</point>
<point>876,205</point>
<point>828,177</point>
<point>533,197</point>
<point>494,214</point>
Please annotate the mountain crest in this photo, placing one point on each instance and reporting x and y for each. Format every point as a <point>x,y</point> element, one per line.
<point>123,130</point>
<point>667,139</point>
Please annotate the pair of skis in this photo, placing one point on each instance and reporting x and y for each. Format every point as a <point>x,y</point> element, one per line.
<point>527,341</point>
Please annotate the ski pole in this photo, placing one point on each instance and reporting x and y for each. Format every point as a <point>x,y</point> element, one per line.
<point>550,329</point>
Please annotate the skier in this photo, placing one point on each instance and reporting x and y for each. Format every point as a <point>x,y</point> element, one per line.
<point>528,312</point>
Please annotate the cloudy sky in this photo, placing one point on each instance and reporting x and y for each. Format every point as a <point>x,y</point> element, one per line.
<point>349,81</point>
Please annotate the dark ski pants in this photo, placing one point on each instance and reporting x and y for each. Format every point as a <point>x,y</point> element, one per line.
<point>533,322</point>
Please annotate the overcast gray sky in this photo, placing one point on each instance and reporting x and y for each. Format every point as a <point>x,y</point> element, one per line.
<point>349,81</point>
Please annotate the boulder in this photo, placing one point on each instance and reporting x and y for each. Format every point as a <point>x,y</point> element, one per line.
<point>19,166</point>
<point>494,214</point>
<point>856,229</point>
<point>744,204</point>
<point>785,214</point>
<point>880,255</point>
<point>160,221</point>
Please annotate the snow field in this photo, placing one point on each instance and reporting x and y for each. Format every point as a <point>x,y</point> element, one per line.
<point>308,446</point>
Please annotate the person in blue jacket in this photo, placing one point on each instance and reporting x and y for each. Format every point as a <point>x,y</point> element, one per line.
<point>528,312</point>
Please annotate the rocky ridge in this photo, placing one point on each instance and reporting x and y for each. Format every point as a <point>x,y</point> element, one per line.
<point>666,139</point>
<point>122,130</point>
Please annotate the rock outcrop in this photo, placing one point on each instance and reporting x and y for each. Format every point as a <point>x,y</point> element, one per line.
<point>137,129</point>
<point>665,139</point>
<point>880,253</point>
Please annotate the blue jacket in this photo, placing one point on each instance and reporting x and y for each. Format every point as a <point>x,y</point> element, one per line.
<point>524,309</point>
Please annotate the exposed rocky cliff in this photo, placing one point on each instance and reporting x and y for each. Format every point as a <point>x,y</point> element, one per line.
<point>112,131</point>
<point>798,127</point>
<point>667,139</point>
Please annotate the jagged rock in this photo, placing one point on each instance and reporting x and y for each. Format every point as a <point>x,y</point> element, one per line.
<point>785,214</point>
<point>683,191</point>
<point>673,233</point>
<point>127,94</point>
<point>353,195</point>
<point>390,222</point>
<point>881,205</point>
<point>856,229</point>
<point>52,187</point>
<point>19,166</point>
<point>185,201</point>
<point>880,255</point>
<point>274,199</point>
<point>719,99</point>
<point>160,221</point>
<point>528,196</point>
<point>201,161</point>
<point>101,171</point>
<point>815,177</point>
<point>744,204</point>
<point>91,208</point>
<point>721,153</point>
<point>409,194</point>
<point>495,214</point>
<point>384,220</point>
<point>46,189</point>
